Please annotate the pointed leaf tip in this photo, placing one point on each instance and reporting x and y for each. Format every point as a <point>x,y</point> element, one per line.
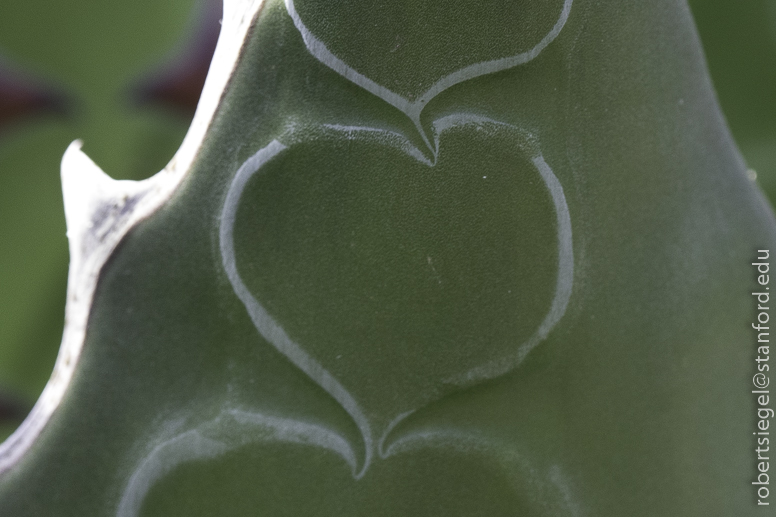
<point>82,182</point>
<point>98,208</point>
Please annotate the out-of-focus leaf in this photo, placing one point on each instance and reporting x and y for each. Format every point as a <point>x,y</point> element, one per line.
<point>740,43</point>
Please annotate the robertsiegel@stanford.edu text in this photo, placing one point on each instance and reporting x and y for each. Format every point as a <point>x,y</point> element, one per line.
<point>761,379</point>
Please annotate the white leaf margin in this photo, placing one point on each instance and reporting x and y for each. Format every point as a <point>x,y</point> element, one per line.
<point>100,211</point>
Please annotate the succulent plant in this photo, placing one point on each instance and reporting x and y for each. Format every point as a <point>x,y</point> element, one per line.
<point>437,258</point>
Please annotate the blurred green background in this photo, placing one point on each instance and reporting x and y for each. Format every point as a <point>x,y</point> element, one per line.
<point>93,52</point>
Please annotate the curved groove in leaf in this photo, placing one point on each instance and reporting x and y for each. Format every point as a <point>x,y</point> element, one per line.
<point>231,429</point>
<point>413,109</point>
<point>272,330</point>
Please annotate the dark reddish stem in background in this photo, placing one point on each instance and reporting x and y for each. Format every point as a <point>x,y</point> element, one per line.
<point>21,96</point>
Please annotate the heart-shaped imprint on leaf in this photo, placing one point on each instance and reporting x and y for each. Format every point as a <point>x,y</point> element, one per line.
<point>390,279</point>
<point>407,53</point>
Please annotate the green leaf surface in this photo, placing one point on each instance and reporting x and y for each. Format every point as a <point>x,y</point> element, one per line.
<point>521,287</point>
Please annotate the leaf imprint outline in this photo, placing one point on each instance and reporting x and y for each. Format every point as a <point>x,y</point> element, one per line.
<point>277,337</point>
<point>413,109</point>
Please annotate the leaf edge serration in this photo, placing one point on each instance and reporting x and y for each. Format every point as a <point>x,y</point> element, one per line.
<point>100,212</point>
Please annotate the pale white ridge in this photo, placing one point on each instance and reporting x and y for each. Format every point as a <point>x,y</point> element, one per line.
<point>230,430</point>
<point>263,321</point>
<point>273,331</point>
<point>495,65</point>
<point>565,278</point>
<point>413,109</point>
<point>183,448</point>
<point>390,427</point>
<point>503,453</point>
<point>296,431</point>
<point>571,502</point>
<point>393,139</point>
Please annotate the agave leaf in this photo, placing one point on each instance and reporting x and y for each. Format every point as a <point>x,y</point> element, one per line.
<point>514,283</point>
